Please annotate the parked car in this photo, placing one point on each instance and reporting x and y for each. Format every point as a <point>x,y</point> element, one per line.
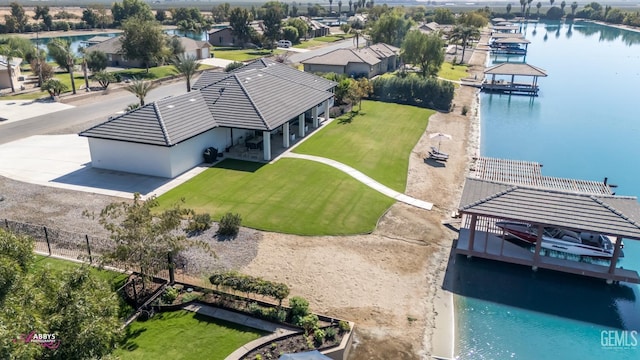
<point>284,43</point>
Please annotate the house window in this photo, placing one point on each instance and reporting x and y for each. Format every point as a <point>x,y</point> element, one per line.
<point>220,39</point>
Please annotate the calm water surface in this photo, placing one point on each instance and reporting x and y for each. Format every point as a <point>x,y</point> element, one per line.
<point>585,124</point>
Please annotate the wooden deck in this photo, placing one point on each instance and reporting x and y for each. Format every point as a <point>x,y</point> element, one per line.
<point>528,173</point>
<point>489,245</point>
<point>511,88</point>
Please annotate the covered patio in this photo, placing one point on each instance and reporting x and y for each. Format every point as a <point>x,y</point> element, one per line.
<point>511,70</point>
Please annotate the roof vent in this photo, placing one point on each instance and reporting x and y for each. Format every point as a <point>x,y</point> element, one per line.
<point>170,106</point>
<point>192,100</point>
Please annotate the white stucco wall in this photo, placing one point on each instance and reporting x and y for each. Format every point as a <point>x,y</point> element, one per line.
<point>130,157</point>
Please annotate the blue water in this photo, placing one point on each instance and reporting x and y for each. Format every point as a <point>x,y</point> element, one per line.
<point>584,124</point>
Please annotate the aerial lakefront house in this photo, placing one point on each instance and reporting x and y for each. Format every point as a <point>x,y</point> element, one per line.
<point>264,106</point>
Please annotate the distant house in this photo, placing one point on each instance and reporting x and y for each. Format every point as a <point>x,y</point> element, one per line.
<point>225,37</point>
<point>5,82</point>
<point>369,61</point>
<point>428,28</point>
<point>112,47</point>
<point>269,102</point>
<point>316,28</point>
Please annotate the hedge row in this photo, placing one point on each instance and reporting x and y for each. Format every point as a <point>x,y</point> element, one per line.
<point>427,93</point>
<point>249,284</point>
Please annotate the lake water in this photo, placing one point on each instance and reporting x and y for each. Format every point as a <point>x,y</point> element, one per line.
<point>585,125</point>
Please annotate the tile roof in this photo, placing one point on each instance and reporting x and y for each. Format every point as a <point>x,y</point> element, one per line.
<point>263,97</point>
<point>191,44</point>
<point>343,57</point>
<point>606,214</point>
<point>111,46</point>
<point>516,69</point>
<point>165,122</point>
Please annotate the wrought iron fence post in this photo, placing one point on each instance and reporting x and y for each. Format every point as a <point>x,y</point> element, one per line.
<point>46,236</point>
<point>172,275</point>
<point>6,223</point>
<point>88,249</point>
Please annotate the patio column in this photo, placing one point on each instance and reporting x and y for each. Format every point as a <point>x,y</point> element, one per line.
<point>536,256</point>
<point>301,125</point>
<point>314,116</point>
<point>472,232</point>
<point>266,144</point>
<point>616,255</point>
<point>326,110</point>
<point>285,135</point>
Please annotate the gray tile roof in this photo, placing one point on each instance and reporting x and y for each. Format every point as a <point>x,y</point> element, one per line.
<point>611,215</point>
<point>516,69</point>
<point>342,57</point>
<point>190,44</point>
<point>384,50</point>
<point>261,98</point>
<point>111,46</point>
<point>166,122</point>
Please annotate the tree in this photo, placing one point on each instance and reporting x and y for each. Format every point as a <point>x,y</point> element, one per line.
<point>358,90</point>
<point>300,25</point>
<point>464,34</point>
<point>10,52</point>
<point>142,40</point>
<point>18,18</point>
<point>509,8</point>
<point>391,28</point>
<point>473,19</point>
<point>42,12</point>
<point>140,89</point>
<point>291,33</point>
<point>529,2</point>
<point>538,6</point>
<point>143,238</point>
<point>424,50</point>
<point>104,78</point>
<point>54,87</point>
<point>131,9</point>
<point>64,56</point>
<point>239,20</point>
<point>96,61</point>
<point>43,69</point>
<point>443,16</point>
<point>350,5</point>
<point>75,305</point>
<point>523,4</point>
<point>221,12</point>
<point>562,5</point>
<point>330,4</point>
<point>187,66</point>
<point>574,6</point>
<point>339,9</point>
<point>90,17</point>
<point>273,25</point>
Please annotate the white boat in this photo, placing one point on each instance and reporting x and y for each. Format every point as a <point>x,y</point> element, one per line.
<point>571,242</point>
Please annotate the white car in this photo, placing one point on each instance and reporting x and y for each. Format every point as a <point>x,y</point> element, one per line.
<point>284,43</point>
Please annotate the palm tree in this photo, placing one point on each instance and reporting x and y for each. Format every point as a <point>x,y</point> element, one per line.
<point>508,8</point>
<point>140,89</point>
<point>562,5</point>
<point>350,5</point>
<point>330,3</point>
<point>186,65</point>
<point>464,34</point>
<point>85,69</point>
<point>65,48</point>
<point>538,6</point>
<point>529,7</point>
<point>339,10</point>
<point>9,51</point>
<point>574,6</point>
<point>523,3</point>
<point>552,1</point>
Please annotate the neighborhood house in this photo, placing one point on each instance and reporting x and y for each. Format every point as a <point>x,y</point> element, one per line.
<point>369,61</point>
<point>263,106</point>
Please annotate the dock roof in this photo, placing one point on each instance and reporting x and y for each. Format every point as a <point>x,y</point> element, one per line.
<point>516,69</point>
<point>606,214</point>
<point>511,40</point>
<point>506,27</point>
<point>507,35</point>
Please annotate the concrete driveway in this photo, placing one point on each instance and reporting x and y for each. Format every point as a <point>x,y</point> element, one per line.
<point>14,110</point>
<point>64,161</point>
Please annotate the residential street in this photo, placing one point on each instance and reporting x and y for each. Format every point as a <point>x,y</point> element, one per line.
<point>98,107</point>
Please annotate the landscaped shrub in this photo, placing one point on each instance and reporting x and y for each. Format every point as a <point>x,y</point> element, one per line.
<point>318,336</point>
<point>249,284</point>
<point>170,294</point>
<point>299,308</point>
<point>344,326</point>
<point>465,110</point>
<point>308,322</point>
<point>234,65</point>
<point>427,93</point>
<point>190,297</point>
<point>198,223</point>
<point>267,313</point>
<point>330,333</point>
<point>229,224</point>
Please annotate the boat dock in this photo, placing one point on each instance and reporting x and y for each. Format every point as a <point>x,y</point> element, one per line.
<point>512,87</point>
<point>500,189</point>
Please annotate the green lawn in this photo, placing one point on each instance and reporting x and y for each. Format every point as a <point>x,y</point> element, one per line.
<point>377,142</point>
<point>323,40</point>
<point>332,38</point>
<point>290,196</point>
<point>453,72</point>
<point>237,54</point>
<point>157,72</point>
<point>184,335</point>
<point>305,44</point>
<point>116,279</point>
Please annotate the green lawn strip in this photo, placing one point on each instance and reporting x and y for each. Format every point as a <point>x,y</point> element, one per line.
<point>453,72</point>
<point>154,72</point>
<point>376,142</point>
<point>236,54</point>
<point>333,38</point>
<point>27,96</point>
<point>184,335</point>
<point>290,196</point>
<point>305,44</point>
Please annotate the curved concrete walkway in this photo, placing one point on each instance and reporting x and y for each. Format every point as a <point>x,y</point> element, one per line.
<point>364,179</point>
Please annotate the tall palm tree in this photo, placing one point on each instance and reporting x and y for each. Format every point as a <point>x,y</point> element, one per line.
<point>523,3</point>
<point>140,89</point>
<point>10,52</point>
<point>574,6</point>
<point>65,48</point>
<point>464,34</point>
<point>529,7</point>
<point>538,6</point>
<point>562,5</point>
<point>508,8</point>
<point>339,9</point>
<point>186,65</point>
<point>552,1</point>
<point>330,3</point>
<point>85,69</point>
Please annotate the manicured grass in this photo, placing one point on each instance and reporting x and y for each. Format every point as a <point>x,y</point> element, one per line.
<point>114,278</point>
<point>290,196</point>
<point>332,38</point>
<point>237,54</point>
<point>28,96</point>
<point>452,72</point>
<point>377,141</point>
<point>305,44</point>
<point>154,72</point>
<point>321,41</point>
<point>184,335</point>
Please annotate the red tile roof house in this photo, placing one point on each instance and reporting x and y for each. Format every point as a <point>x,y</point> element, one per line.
<point>264,100</point>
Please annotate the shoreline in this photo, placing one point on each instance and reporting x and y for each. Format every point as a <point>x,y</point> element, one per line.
<point>443,339</point>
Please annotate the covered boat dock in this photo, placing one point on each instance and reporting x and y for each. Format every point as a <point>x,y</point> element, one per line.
<point>510,46</point>
<point>517,191</point>
<point>513,87</point>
